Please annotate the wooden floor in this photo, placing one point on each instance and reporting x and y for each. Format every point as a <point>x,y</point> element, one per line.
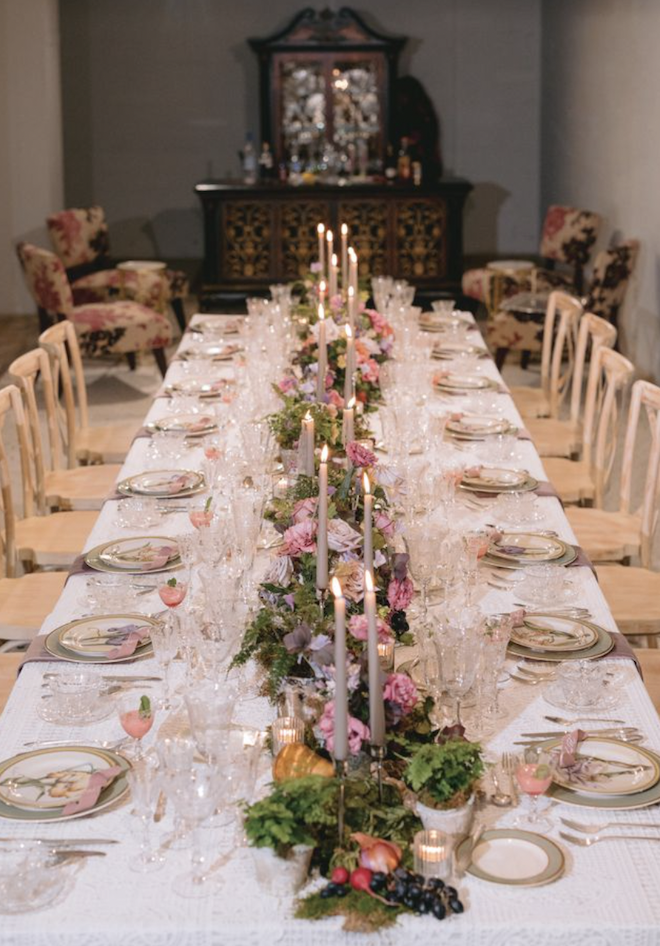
<point>18,334</point>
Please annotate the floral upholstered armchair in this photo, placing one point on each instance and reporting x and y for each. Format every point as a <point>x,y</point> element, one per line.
<point>81,240</point>
<point>518,324</point>
<point>103,328</point>
<point>567,240</point>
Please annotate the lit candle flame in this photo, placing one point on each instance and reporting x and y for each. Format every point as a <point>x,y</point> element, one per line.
<point>349,331</point>
<point>333,259</point>
<point>320,229</point>
<point>336,588</point>
<point>321,312</point>
<point>329,236</point>
<point>324,454</point>
<point>368,581</point>
<point>351,403</point>
<point>352,254</point>
<point>344,229</point>
<point>308,416</point>
<point>365,483</point>
<point>322,287</point>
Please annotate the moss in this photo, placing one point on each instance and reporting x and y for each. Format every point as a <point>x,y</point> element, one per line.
<point>362,913</point>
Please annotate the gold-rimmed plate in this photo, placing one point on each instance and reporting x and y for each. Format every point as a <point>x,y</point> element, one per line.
<point>37,786</point>
<point>457,381</point>
<point>478,426</point>
<point>602,646</point>
<point>204,388</point>
<point>608,767</point>
<point>136,555</point>
<point>192,425</point>
<point>527,547</point>
<point>91,639</point>
<point>514,858</point>
<point>163,484</point>
<point>545,633</point>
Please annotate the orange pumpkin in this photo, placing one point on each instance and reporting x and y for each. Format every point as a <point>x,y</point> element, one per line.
<point>297,760</point>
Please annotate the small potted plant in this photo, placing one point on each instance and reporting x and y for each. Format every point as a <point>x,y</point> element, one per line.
<point>444,777</point>
<point>282,829</point>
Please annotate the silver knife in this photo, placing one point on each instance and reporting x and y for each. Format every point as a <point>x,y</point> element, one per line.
<point>60,842</point>
<point>118,678</point>
<point>590,732</point>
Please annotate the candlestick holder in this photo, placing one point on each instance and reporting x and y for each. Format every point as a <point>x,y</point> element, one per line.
<point>322,597</point>
<point>378,756</point>
<point>431,851</point>
<point>341,770</point>
<point>287,730</point>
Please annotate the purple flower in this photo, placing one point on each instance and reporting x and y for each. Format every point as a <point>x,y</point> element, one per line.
<point>357,731</point>
<point>359,455</point>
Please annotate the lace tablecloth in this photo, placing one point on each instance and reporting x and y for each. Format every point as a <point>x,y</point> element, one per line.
<point>608,895</point>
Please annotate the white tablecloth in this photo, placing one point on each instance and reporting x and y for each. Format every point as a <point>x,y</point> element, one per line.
<point>608,895</point>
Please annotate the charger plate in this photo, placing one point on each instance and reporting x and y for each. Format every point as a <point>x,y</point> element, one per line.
<point>514,858</point>
<point>603,645</point>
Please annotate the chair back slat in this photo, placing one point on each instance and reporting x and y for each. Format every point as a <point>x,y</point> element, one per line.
<point>646,395</point>
<point>11,404</point>
<point>560,330</point>
<point>593,334</point>
<point>610,375</point>
<point>61,343</point>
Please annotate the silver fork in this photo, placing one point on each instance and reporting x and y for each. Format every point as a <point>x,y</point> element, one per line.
<point>583,719</point>
<point>595,838</point>
<point>509,766</point>
<point>597,828</point>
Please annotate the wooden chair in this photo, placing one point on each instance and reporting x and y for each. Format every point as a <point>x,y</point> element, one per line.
<point>560,330</point>
<point>85,487</point>
<point>649,661</point>
<point>584,480</point>
<point>84,444</point>
<point>9,664</point>
<point>614,536</point>
<point>554,437</point>
<point>52,540</point>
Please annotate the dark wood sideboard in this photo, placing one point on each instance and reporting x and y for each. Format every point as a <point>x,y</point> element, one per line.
<point>258,234</point>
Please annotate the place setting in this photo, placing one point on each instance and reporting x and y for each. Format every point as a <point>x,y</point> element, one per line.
<point>457,382</point>
<point>190,425</point>
<point>136,555</point>
<point>163,484</point>
<point>205,388</point>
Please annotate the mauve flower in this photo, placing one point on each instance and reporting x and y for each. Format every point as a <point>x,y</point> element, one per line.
<point>287,384</point>
<point>370,370</point>
<point>384,524</point>
<point>315,267</point>
<point>299,538</point>
<point>336,303</point>
<point>400,594</point>
<point>400,689</point>
<point>280,571</point>
<point>379,323</point>
<point>351,577</point>
<point>357,731</point>
<point>359,628</point>
<point>400,562</point>
<point>359,455</point>
<point>341,537</point>
<point>334,398</point>
<point>304,509</point>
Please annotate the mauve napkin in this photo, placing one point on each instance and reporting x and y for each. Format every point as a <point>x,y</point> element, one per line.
<point>97,782</point>
<point>568,750</point>
<point>37,653</point>
<point>127,639</point>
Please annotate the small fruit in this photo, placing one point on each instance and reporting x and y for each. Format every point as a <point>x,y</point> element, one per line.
<point>339,875</point>
<point>439,910</point>
<point>327,892</point>
<point>342,890</point>
<point>361,878</point>
<point>378,880</point>
<point>456,905</point>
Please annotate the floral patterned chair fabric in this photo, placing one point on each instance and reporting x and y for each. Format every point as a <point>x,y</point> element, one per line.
<point>568,237</point>
<point>81,240</point>
<point>102,328</point>
<point>612,273</point>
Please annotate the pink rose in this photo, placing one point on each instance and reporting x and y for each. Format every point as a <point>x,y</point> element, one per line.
<point>286,385</point>
<point>379,323</point>
<point>359,455</point>
<point>335,398</point>
<point>298,539</point>
<point>384,524</point>
<point>370,370</point>
<point>358,627</point>
<point>357,731</point>
<point>400,689</point>
<point>304,509</point>
<point>351,577</point>
<point>342,537</point>
<point>400,594</point>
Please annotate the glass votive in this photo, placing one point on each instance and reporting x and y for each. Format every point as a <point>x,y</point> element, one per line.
<point>432,854</point>
<point>386,655</point>
<point>285,731</point>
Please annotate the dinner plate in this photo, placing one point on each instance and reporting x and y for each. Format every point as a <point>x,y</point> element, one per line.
<point>617,768</point>
<point>515,858</point>
<point>190,424</point>
<point>496,478</point>
<point>478,425</point>
<point>457,381</point>
<point>86,639</point>
<point>214,351</point>
<point>163,484</point>
<point>36,786</point>
<point>446,351</point>
<point>499,562</point>
<point>214,326</point>
<point>134,555</point>
<point>444,319</point>
<point>206,388</point>
<point>603,645</point>
<point>531,547</point>
<point>550,633</point>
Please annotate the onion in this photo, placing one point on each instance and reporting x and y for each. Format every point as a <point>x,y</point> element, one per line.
<point>377,854</point>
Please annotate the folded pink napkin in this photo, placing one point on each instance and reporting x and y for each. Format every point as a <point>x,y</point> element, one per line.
<point>164,554</point>
<point>201,424</point>
<point>97,782</point>
<point>568,749</point>
<point>177,483</point>
<point>127,638</point>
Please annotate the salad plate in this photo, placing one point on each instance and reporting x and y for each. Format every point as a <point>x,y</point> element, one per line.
<point>189,424</point>
<point>91,639</point>
<point>514,858</point>
<point>550,633</point>
<point>163,484</point>
<point>135,555</point>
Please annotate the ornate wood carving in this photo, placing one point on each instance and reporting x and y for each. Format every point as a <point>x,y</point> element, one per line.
<point>247,234</point>
<point>421,239</point>
<point>299,240</point>
<point>368,226</point>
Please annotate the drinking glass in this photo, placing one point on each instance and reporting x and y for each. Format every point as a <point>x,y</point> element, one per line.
<point>136,715</point>
<point>165,645</point>
<point>534,777</point>
<point>210,708</point>
<point>198,792</point>
<point>145,783</point>
<point>458,641</point>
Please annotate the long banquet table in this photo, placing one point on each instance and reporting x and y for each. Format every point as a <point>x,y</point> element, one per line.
<point>608,895</point>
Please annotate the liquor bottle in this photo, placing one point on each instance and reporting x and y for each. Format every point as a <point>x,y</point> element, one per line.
<point>266,166</point>
<point>249,161</point>
<point>404,170</point>
<point>390,165</point>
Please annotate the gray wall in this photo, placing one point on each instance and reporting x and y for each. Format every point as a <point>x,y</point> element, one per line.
<point>158,94</point>
<point>601,139</point>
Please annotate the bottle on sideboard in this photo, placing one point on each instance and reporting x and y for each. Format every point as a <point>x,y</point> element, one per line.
<point>249,158</point>
<point>403,165</point>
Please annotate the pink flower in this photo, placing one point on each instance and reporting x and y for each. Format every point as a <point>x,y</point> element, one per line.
<point>351,578</point>
<point>298,539</point>
<point>342,537</point>
<point>384,524</point>
<point>379,323</point>
<point>359,455</point>
<point>315,267</point>
<point>370,370</point>
<point>358,627</point>
<point>400,689</point>
<point>304,509</point>
<point>400,594</point>
<point>357,731</point>
<point>287,384</point>
<point>336,303</point>
<point>335,398</point>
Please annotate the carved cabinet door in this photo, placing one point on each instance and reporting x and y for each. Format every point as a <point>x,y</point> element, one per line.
<point>420,239</point>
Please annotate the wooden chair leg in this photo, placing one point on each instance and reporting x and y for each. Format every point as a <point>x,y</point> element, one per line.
<point>179,312</point>
<point>500,357</point>
<point>159,355</point>
<point>131,359</point>
<point>524,359</point>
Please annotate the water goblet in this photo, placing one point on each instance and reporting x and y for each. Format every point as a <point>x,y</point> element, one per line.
<point>145,782</point>
<point>198,792</point>
<point>136,717</point>
<point>458,641</point>
<point>534,777</point>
